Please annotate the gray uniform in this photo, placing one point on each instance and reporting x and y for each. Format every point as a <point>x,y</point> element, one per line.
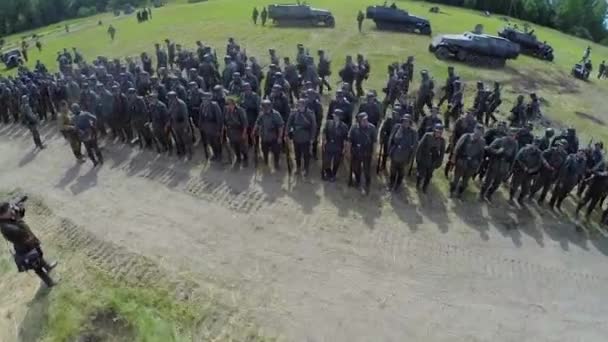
<point>211,123</point>
<point>401,149</point>
<point>502,153</point>
<point>335,134</point>
<point>160,119</point>
<point>429,157</point>
<point>302,129</point>
<point>236,125</point>
<point>268,126</point>
<point>180,124</point>
<point>106,109</point>
<point>527,164</point>
<point>468,154</point>
<point>362,139</point>
<point>569,174</point>
<point>552,160</point>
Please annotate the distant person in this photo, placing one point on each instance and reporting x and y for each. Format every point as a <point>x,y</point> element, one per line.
<point>360,18</point>
<point>39,46</point>
<point>254,15</point>
<point>264,16</point>
<point>67,28</point>
<point>112,32</point>
<point>586,54</point>
<point>602,70</point>
<point>149,13</point>
<point>24,47</point>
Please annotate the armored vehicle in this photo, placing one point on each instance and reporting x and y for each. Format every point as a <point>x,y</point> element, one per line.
<point>300,15</point>
<point>395,19</point>
<point>11,58</point>
<point>476,49</point>
<point>528,43</point>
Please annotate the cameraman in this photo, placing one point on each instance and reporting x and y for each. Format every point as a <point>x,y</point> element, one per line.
<point>28,254</point>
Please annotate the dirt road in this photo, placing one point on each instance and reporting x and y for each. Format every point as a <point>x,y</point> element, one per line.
<point>319,262</point>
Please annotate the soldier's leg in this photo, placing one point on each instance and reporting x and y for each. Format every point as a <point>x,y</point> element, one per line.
<point>367,169</point>
<point>595,199</point>
<point>359,86</point>
<point>36,137</point>
<point>458,175</point>
<point>306,155</point>
<point>90,152</point>
<point>582,185</point>
<point>516,183</point>
<point>356,165</point>
<point>97,151</point>
<point>427,178</point>
<point>276,154</point>
<point>400,169</point>
<point>299,155</point>
<point>337,160</point>
<point>265,151</point>
<point>583,202</point>
<point>384,156</point>
<point>465,182</point>
<point>393,175</point>
<point>525,187</point>
<point>326,165</point>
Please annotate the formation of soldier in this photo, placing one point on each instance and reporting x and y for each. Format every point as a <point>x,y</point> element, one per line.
<point>236,112</point>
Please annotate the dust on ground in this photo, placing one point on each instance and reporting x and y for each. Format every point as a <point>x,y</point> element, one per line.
<point>317,261</point>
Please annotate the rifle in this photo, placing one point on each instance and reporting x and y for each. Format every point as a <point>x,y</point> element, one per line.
<point>380,157</point>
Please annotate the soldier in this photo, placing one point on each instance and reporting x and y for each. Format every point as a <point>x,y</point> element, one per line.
<point>324,70</point>
<point>525,136</point>
<point>68,130</point>
<point>269,82</point>
<point>570,172</point>
<point>518,113</point>
<point>362,138</point>
<point>481,102</point>
<point>429,122</point>
<point>429,156</point>
<point>372,108</point>
<point>348,72</point>
<point>448,88</point>
<point>401,149</point>
<point>30,121</point>
<point>501,152</point>
<point>301,129</point>
<point>236,85</point>
<point>105,108</point>
<point>5,98</point>
<point>360,17</point>
<point>170,52</point>
<point>211,125</point>
<point>263,16</point>
<point>598,185</point>
<point>269,127</point>
<point>467,157</point>
<point>87,133</point>
<point>250,102</point>
<point>492,134</point>
<point>138,111</point>
<point>494,101</point>
<point>545,141</point>
<point>455,104</point>
<point>111,32</point>
<point>293,79</point>
<point>425,95</point>
<point>465,124</point>
<point>552,160</point>
<point>572,141</point>
<point>341,103</point>
<point>160,124</point>
<point>180,125</point>
<point>254,16</point>
<point>161,57</point>
<point>280,102</point>
<point>313,103</point>
<point>386,129</point>
<point>527,164</point>
<point>602,70</point>
<point>408,68</point>
<point>595,162</point>
<point>236,129</point>
<point>335,134</point>
<point>363,69</point>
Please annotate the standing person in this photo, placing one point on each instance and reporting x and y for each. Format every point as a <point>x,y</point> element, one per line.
<point>464,124</point>
<point>334,136</point>
<point>527,164</point>
<point>455,103</point>
<point>139,117</point>
<point>429,156</point>
<point>111,32</point>
<point>494,101</point>
<point>39,45</point>
<point>180,125</point>
<point>254,15</point>
<point>250,102</point>
<point>401,147</point>
<point>120,120</point>
<point>448,88</point>
<point>211,125</point>
<point>425,95</point>
<point>264,16</point>
<point>348,72</point>
<point>106,108</point>
<point>501,152</point>
<point>313,103</point>
<point>518,113</point>
<point>360,17</point>
<point>86,124</point>
<point>159,123</point>
<point>362,139</point>
<point>324,70</point>
<point>161,57</point>
<point>598,185</point>
<point>363,70</point>
<point>301,129</point>
<point>24,47</point>
<point>269,127</point>
<point>552,160</point>
<point>602,70</point>
<point>467,157</point>
<point>569,174</point>
<point>236,129</point>
<point>31,121</point>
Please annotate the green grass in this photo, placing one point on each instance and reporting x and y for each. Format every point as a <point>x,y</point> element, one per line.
<point>214,21</point>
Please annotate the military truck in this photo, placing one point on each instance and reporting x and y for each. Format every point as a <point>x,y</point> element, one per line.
<point>475,49</point>
<point>395,19</point>
<point>528,43</point>
<point>302,15</point>
<point>11,58</point>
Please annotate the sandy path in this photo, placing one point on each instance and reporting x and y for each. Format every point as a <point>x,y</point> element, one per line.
<point>317,262</point>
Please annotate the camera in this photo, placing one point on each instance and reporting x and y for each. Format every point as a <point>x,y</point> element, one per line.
<point>18,205</point>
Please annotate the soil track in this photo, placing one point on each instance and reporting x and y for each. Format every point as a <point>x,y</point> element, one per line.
<point>318,262</point>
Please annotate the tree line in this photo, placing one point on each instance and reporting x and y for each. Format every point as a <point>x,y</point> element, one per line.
<point>22,15</point>
<point>582,18</point>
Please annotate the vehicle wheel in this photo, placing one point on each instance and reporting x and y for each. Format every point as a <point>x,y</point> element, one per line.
<point>461,55</point>
<point>330,22</point>
<point>426,30</point>
<point>442,53</point>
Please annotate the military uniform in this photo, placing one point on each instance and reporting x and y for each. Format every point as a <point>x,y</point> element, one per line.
<point>269,126</point>
<point>302,129</point>
<point>236,123</point>
<point>106,108</point>
<point>425,96</point>
<point>527,164</point>
<point>401,149</point>
<point>324,71</point>
<point>31,122</point>
<point>518,115</point>
<point>373,110</point>
<point>180,125</point>
<point>362,140</point>
<point>346,108</point>
<point>160,121</point>
<point>314,105</point>
<point>552,160</point>
<point>501,152</point>
<point>464,124</point>
<point>429,157</point>
<point>139,117</point>
<point>210,124</point>
<point>335,134</point>
<point>569,174</point>
<point>85,123</point>
<point>467,157</point>
<point>598,185</point>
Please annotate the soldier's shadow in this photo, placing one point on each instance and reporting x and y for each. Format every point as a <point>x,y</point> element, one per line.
<point>32,326</point>
<point>28,157</point>
<point>432,206</point>
<point>85,182</point>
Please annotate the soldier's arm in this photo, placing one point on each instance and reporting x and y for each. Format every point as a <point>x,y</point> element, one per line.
<point>459,145</point>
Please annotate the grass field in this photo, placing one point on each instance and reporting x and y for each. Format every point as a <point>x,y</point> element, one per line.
<point>566,101</point>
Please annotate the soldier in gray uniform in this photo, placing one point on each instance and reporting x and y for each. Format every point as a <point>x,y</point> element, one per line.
<point>429,156</point>
<point>250,102</point>
<point>269,127</point>
<point>448,88</point>
<point>552,160</point>
<point>569,174</point>
<point>211,124</point>
<point>464,124</point>
<point>501,152</point>
<point>139,117</point>
<point>87,133</point>
<point>30,120</point>
<point>373,109</point>
<point>362,138</point>
<point>235,121</point>
<point>159,122</point>
<point>313,103</point>
<point>324,69</point>
<point>301,129</point>
<point>527,164</point>
<point>293,79</point>
<point>467,156</point>
<point>455,103</point>
<point>180,125</point>
<point>425,94</point>
<point>335,134</point>
<point>401,147</point>
<point>106,108</point>
<point>518,113</point>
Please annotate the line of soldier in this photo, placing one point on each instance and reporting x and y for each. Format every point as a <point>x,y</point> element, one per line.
<point>187,100</point>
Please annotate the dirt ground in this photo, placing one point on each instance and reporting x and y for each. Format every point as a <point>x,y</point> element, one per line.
<point>319,262</point>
